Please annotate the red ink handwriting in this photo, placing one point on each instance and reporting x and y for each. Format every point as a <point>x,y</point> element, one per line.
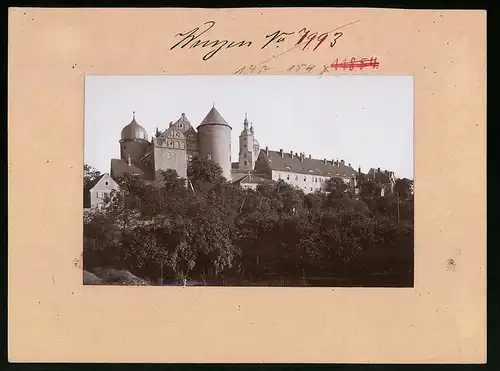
<point>354,63</point>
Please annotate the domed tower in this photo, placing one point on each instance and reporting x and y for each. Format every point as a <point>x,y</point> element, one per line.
<point>214,141</point>
<point>133,142</point>
<point>246,157</point>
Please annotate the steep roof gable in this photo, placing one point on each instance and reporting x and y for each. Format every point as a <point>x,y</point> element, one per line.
<point>214,118</point>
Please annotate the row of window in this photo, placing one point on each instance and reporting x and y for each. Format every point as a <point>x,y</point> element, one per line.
<point>314,179</point>
<point>171,156</point>
<point>176,144</point>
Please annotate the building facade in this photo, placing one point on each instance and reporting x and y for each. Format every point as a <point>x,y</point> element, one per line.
<point>174,147</point>
<point>96,191</point>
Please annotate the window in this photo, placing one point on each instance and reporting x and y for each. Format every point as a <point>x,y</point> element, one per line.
<point>311,189</point>
<point>245,138</point>
<point>171,144</point>
<point>246,163</point>
<point>180,125</point>
<point>106,183</point>
<point>244,145</point>
<point>288,177</point>
<point>316,180</point>
<point>304,179</point>
<point>296,177</point>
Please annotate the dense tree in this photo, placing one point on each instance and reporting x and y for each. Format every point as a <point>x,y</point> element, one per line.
<point>203,172</point>
<point>274,235</point>
<point>89,174</point>
<point>403,188</point>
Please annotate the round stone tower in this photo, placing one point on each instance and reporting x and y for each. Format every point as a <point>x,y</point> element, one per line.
<point>134,142</point>
<point>214,141</point>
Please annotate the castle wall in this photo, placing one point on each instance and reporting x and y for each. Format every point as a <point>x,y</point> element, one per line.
<point>214,141</point>
<point>136,148</point>
<point>170,158</point>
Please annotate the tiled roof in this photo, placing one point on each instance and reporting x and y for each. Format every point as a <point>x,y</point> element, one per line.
<point>254,179</point>
<point>214,117</point>
<point>120,167</point>
<point>305,166</point>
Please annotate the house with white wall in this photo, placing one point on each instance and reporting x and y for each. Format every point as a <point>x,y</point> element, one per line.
<point>96,191</point>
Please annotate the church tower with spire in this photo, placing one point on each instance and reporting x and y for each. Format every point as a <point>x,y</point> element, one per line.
<point>247,155</point>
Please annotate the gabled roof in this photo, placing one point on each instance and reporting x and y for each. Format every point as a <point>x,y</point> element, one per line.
<point>214,118</point>
<point>306,166</point>
<point>120,167</point>
<point>254,179</point>
<point>86,190</point>
<point>93,182</point>
<point>382,176</point>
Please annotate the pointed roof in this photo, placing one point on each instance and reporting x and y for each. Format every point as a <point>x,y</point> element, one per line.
<point>214,118</point>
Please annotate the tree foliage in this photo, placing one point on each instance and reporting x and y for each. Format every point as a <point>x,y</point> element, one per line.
<point>276,235</point>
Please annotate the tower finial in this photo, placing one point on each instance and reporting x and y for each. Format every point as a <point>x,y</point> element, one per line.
<point>213,104</point>
<point>133,114</point>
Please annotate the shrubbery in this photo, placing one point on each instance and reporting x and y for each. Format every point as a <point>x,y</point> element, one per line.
<point>219,233</point>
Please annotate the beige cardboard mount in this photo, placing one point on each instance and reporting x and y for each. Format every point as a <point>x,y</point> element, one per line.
<point>54,318</point>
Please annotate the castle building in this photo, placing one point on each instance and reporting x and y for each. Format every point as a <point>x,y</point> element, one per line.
<point>174,147</point>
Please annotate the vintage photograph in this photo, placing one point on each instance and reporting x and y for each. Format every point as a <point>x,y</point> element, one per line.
<point>248,180</point>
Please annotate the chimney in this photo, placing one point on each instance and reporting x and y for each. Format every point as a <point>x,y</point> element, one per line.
<point>309,156</point>
<point>281,153</point>
<point>129,161</point>
<point>291,154</point>
<point>170,124</point>
<point>342,162</point>
<point>349,164</point>
<point>378,169</point>
<point>359,169</point>
<point>302,156</point>
<point>324,161</point>
<point>267,150</point>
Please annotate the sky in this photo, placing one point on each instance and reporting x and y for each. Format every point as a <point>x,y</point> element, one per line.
<point>365,120</point>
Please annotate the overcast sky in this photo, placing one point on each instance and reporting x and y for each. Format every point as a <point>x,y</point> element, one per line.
<point>365,120</point>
